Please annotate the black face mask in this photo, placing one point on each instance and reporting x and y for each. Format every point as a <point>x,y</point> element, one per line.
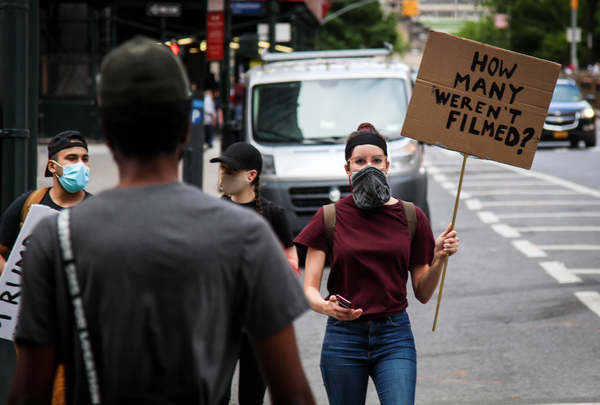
<point>370,188</point>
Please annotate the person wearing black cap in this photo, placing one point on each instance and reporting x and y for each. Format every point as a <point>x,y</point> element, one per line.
<point>374,242</point>
<point>239,179</point>
<point>68,165</point>
<point>143,291</point>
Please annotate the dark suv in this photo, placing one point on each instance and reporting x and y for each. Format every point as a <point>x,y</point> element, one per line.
<point>570,117</point>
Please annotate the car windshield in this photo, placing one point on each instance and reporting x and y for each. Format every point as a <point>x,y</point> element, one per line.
<point>565,93</point>
<point>326,111</point>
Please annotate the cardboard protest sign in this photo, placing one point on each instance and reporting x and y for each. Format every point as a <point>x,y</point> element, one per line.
<point>10,281</point>
<point>480,100</point>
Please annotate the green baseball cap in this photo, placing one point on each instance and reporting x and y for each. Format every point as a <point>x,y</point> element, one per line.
<point>142,71</point>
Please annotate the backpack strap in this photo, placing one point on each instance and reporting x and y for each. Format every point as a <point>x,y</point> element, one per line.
<point>329,220</point>
<point>35,197</point>
<point>411,217</point>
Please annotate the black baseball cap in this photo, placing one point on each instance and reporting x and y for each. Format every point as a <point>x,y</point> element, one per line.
<point>142,71</point>
<point>64,140</point>
<point>241,156</point>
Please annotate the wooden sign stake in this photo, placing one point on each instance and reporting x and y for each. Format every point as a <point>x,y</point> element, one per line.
<point>439,300</point>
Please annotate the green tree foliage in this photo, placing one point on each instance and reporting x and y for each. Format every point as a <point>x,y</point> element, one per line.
<point>362,27</point>
<point>484,31</point>
<point>536,27</point>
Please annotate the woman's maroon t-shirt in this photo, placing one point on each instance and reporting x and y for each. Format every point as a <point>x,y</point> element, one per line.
<point>372,254</point>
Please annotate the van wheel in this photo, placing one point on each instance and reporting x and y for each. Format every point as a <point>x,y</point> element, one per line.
<point>575,144</point>
<point>590,142</point>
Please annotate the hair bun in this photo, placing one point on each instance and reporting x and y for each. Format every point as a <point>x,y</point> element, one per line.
<point>366,126</point>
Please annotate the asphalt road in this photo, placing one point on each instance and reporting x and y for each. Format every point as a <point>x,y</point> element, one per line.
<point>519,321</point>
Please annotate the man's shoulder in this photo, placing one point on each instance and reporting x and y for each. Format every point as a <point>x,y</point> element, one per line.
<point>20,200</point>
<point>15,207</point>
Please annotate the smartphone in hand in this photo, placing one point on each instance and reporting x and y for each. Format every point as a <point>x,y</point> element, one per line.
<point>343,302</point>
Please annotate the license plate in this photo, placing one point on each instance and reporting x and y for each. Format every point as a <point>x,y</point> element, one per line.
<point>561,134</point>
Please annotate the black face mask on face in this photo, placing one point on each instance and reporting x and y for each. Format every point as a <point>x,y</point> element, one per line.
<point>370,188</point>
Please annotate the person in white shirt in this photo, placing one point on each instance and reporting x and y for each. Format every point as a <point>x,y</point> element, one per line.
<point>210,117</point>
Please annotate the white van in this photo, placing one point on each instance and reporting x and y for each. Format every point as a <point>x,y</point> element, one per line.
<point>301,107</point>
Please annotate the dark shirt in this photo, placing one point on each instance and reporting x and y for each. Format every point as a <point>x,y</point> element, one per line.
<point>372,254</point>
<point>169,279</point>
<point>275,216</point>
<point>9,223</point>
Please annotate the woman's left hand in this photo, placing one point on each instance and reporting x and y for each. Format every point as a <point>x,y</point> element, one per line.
<point>447,243</point>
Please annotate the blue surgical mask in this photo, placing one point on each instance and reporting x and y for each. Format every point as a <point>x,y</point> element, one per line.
<point>75,177</point>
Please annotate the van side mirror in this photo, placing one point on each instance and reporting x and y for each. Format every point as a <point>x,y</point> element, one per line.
<point>590,97</point>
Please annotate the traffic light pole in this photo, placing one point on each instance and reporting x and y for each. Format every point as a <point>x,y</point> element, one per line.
<point>272,12</point>
<point>573,29</point>
<point>228,134</point>
<point>34,57</point>
<point>14,132</point>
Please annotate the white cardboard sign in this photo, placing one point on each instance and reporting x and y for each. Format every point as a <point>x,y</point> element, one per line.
<point>10,281</point>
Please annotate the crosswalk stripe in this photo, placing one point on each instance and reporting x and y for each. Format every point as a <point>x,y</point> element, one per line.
<point>531,203</point>
<point>494,184</point>
<point>558,229</point>
<point>482,193</point>
<point>555,215</point>
<point>591,299</point>
<point>559,271</point>
<point>528,248</point>
<point>488,217</point>
<point>506,230</point>
<point>585,271</point>
<point>569,247</point>
<point>557,180</point>
<point>487,169</point>
<point>574,403</point>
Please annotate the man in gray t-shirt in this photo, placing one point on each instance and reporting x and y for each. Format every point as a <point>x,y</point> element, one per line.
<point>169,276</point>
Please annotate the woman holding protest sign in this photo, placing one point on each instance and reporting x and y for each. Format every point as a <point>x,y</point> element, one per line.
<point>374,241</point>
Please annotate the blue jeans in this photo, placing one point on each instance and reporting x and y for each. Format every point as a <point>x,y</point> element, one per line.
<point>383,349</point>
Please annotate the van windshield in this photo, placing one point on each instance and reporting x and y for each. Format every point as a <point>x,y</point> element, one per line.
<point>326,111</point>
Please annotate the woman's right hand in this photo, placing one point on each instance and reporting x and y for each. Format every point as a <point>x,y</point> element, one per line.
<point>335,310</point>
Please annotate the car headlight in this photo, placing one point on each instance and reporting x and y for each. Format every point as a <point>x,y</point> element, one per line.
<point>406,157</point>
<point>588,113</point>
<point>268,165</point>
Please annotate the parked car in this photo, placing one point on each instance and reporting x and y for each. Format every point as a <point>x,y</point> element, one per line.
<point>301,107</point>
<point>570,116</point>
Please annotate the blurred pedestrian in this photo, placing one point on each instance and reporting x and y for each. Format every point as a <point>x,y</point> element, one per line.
<point>146,289</point>
<point>238,98</point>
<point>569,69</point>
<point>239,179</point>
<point>374,241</point>
<point>218,109</point>
<point>68,165</point>
<point>210,117</point>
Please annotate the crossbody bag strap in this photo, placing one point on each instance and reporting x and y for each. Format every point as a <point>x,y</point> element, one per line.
<point>68,262</point>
